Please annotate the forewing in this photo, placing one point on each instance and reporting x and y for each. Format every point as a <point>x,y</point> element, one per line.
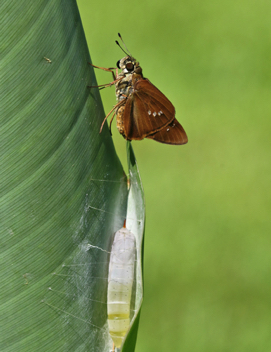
<point>173,133</point>
<point>147,111</point>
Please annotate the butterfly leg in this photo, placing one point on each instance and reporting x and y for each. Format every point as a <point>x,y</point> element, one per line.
<point>110,112</point>
<point>110,69</point>
<point>111,122</point>
<point>107,84</point>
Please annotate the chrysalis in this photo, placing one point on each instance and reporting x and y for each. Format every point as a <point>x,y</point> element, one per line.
<point>120,284</point>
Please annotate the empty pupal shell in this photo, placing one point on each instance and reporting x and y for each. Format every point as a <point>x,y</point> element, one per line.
<point>120,284</point>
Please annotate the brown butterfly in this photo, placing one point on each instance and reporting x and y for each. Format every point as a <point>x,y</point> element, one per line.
<point>142,110</point>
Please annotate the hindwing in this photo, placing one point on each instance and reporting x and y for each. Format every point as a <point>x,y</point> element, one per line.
<point>173,133</point>
<point>147,111</point>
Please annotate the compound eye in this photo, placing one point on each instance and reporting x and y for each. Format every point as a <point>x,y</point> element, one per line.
<point>129,66</point>
<point>118,64</point>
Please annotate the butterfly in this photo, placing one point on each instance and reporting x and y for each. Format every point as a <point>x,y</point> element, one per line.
<point>142,111</point>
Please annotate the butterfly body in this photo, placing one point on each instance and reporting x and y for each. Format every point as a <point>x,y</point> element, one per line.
<point>125,88</point>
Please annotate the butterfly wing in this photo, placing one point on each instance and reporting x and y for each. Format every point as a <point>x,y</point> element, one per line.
<point>147,111</point>
<point>173,133</point>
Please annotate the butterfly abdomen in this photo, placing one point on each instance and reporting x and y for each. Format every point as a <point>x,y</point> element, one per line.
<point>123,88</point>
<point>120,284</point>
<point>120,125</point>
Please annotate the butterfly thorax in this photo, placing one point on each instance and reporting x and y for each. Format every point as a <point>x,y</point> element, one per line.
<point>130,73</point>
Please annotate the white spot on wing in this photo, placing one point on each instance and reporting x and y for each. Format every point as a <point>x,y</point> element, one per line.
<point>154,114</point>
<point>149,112</point>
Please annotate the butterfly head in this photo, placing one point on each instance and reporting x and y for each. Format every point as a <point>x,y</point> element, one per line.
<point>129,65</point>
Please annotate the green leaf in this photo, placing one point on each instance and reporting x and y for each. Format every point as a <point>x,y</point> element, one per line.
<point>63,190</point>
<point>135,223</point>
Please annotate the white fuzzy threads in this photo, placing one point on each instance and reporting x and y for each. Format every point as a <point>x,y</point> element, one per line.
<point>120,283</point>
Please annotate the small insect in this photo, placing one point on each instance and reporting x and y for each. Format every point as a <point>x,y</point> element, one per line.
<point>120,284</point>
<point>142,110</point>
<point>48,60</point>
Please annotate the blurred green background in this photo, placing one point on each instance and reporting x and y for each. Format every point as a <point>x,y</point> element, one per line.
<point>207,240</point>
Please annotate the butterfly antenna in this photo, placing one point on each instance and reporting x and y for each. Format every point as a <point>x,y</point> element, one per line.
<point>127,52</point>
<point>122,48</point>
